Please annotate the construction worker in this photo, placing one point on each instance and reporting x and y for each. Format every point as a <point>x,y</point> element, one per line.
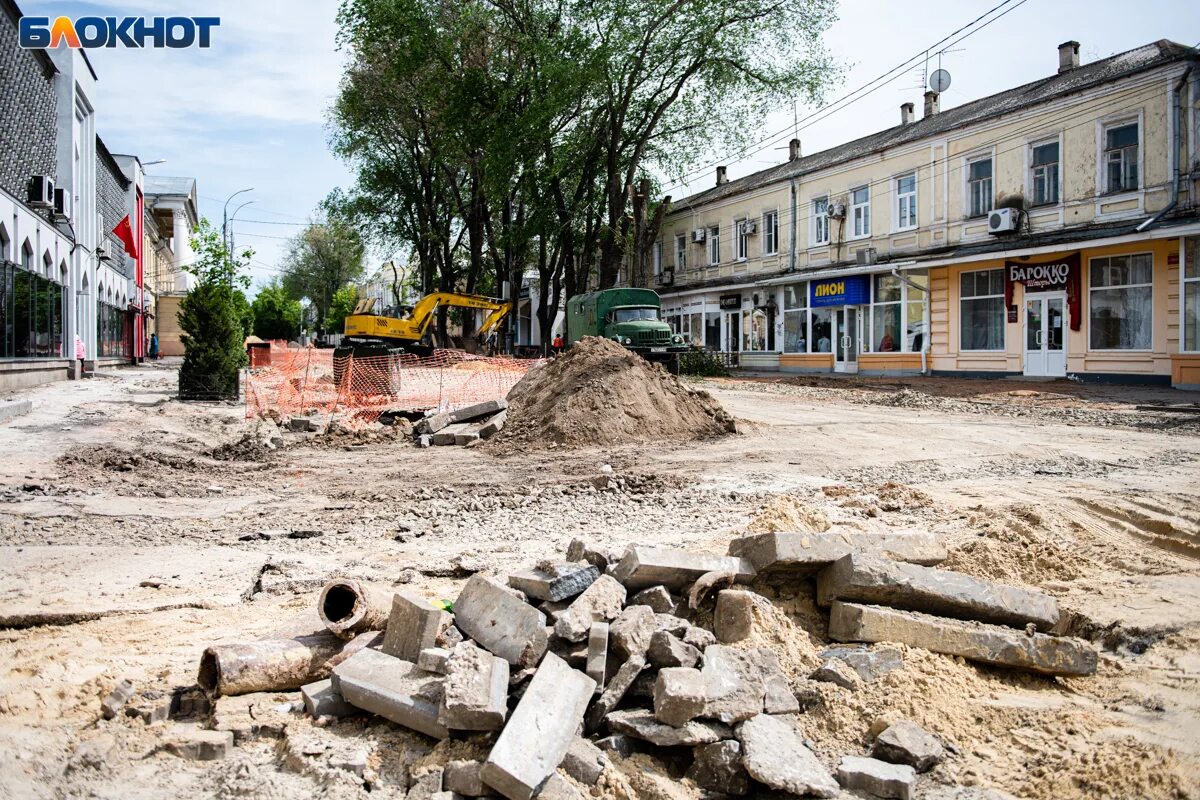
<point>557,344</point>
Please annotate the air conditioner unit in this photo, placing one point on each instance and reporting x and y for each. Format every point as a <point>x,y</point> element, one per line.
<point>104,251</point>
<point>62,203</point>
<point>865,256</point>
<point>1004,220</point>
<point>666,277</point>
<point>751,227</point>
<point>41,191</point>
<point>837,210</point>
<point>698,235</point>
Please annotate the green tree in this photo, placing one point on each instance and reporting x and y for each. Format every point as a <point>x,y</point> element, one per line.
<point>276,315</point>
<point>321,259</point>
<point>212,320</point>
<point>343,303</point>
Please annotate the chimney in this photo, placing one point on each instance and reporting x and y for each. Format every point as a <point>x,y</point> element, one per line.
<point>722,178</point>
<point>931,104</point>
<point>906,113</point>
<point>1068,56</point>
<point>793,149</point>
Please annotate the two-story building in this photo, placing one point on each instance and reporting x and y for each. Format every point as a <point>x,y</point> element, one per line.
<point>1047,230</point>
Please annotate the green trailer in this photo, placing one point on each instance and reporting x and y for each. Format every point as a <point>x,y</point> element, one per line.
<point>630,317</point>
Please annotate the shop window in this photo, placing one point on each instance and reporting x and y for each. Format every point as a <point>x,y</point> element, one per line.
<point>820,330</point>
<point>740,238</point>
<point>982,315</point>
<point>1191,294</point>
<point>714,245</point>
<point>1044,176</point>
<point>712,330</point>
<point>915,324</point>
<point>1120,161</point>
<point>31,313</point>
<point>770,233</point>
<point>860,211</point>
<point>820,216</point>
<point>906,202</point>
<point>680,252</point>
<point>979,186</point>
<point>1121,302</point>
<point>886,311</point>
<point>795,318</point>
<point>754,330</point>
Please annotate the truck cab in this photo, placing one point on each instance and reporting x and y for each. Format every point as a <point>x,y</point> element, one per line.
<point>630,317</point>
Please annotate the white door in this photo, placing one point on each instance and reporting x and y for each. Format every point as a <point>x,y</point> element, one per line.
<point>845,339</point>
<point>1045,354</point>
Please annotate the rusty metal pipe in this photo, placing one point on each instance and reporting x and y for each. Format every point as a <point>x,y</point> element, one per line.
<point>275,665</point>
<point>349,606</point>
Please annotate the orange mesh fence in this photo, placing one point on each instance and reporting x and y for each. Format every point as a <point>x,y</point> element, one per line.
<point>304,382</point>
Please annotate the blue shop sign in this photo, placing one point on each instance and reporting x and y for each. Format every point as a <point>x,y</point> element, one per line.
<point>851,290</point>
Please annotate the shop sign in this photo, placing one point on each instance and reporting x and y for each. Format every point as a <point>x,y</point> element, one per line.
<point>731,302</point>
<point>850,290</point>
<point>1059,272</point>
<point>1040,276</point>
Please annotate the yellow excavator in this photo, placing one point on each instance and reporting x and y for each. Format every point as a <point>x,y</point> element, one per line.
<point>370,334</point>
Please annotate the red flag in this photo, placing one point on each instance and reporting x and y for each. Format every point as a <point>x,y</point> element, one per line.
<point>124,232</point>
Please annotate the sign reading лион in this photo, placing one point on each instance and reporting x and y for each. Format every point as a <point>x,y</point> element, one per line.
<point>850,290</point>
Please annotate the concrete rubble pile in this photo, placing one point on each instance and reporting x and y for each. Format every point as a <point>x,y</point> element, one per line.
<point>568,665</point>
<point>461,427</point>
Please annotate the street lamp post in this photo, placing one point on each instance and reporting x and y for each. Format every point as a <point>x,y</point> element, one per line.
<point>225,216</point>
<point>233,217</point>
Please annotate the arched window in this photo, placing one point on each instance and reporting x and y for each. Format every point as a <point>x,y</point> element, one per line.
<point>4,240</point>
<point>27,256</point>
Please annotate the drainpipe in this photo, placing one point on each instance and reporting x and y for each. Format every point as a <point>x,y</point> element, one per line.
<point>795,222</point>
<point>1176,95</point>
<point>925,312</point>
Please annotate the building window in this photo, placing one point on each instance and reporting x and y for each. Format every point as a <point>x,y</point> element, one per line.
<point>770,233</point>
<point>906,202</point>
<point>820,215</point>
<point>1044,163</point>
<point>982,316</point>
<point>979,186</point>
<point>739,240</point>
<point>31,313</point>
<point>714,245</point>
<point>680,252</point>
<point>112,334</point>
<point>1121,302</point>
<point>1121,158</point>
<point>860,211</point>
<point>886,312</point>
<point>915,324</point>
<point>754,330</point>
<point>1191,294</point>
<point>657,257</point>
<point>805,330</point>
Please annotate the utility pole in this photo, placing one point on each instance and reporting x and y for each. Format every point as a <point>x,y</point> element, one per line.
<point>225,220</point>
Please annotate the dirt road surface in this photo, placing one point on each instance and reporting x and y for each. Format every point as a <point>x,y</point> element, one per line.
<point>136,530</point>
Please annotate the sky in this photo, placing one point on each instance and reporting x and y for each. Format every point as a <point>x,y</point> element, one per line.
<point>251,111</point>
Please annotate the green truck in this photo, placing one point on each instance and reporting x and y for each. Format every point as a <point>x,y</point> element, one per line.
<point>630,317</point>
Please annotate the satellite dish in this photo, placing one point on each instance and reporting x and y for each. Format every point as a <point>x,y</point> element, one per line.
<point>939,81</point>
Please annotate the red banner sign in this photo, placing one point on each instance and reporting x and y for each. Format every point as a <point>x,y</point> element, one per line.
<point>1058,272</point>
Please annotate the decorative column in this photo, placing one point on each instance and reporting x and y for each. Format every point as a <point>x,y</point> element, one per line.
<point>182,244</point>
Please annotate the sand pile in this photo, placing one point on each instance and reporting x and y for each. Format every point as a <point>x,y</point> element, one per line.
<point>599,393</point>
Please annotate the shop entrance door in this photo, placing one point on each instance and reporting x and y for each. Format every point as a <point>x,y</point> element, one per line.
<point>1045,355</point>
<point>733,331</point>
<point>845,339</point>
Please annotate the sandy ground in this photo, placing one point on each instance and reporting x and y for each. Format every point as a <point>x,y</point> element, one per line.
<point>126,548</point>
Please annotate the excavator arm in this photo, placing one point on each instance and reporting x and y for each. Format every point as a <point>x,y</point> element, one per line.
<point>411,329</point>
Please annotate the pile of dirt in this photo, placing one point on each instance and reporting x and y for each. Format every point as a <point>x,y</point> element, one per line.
<point>600,393</point>
<point>791,514</point>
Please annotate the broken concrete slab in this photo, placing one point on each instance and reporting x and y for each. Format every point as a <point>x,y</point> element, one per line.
<point>475,692</point>
<point>432,424</point>
<point>699,638</point>
<point>540,730</point>
<point>975,641</point>
<point>775,554</point>
<point>734,682</point>
<point>427,786</point>
<point>557,787</point>
<point>774,753</point>
<point>668,651</point>
<point>322,700</point>
<point>642,724</point>
<point>449,435</point>
<point>657,597</point>
<point>584,761</point>
<point>394,689</point>
<point>493,425</point>
<point>201,745</point>
<point>413,626</point>
<point>718,768</point>
<point>614,692</point>
<point>597,654</point>
<point>643,567</point>
<point>469,436</point>
<point>906,742</point>
<point>478,410</point>
<point>874,580</point>
<point>579,550</point>
<point>733,618</point>
<point>600,602</point>
<point>678,695</point>
<point>115,700</point>
<point>631,631</point>
<point>779,697</point>
<point>555,581</point>
<point>617,744</point>
<point>510,628</point>
<point>838,672</point>
<point>434,659</point>
<point>877,778</point>
<point>871,663</point>
<point>463,776</point>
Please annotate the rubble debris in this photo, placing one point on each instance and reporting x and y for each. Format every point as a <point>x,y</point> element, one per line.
<point>600,602</point>
<point>201,745</point>
<point>774,753</point>
<point>975,641</point>
<point>115,700</point>
<point>475,692</point>
<point>870,579</point>
<point>540,730</point>
<point>471,413</point>
<point>500,622</point>
<point>906,742</point>
<point>557,787</point>
<point>783,554</point>
<point>871,663</point>
<point>412,626</point>
<point>427,785</point>
<point>555,581</point>
<point>779,697</point>
<point>734,682</point>
<point>614,692</point>
<point>718,768</point>
<point>349,607</point>
<point>667,650</point>
<point>836,671</point>
<point>462,776</point>
<point>394,689</point>
<point>322,700</point>
<point>449,434</point>
<point>432,423</point>
<point>274,665</point>
<point>708,583</point>
<point>579,550</point>
<point>678,695</point>
<point>642,724</point>
<point>493,425</point>
<point>433,659</point>
<point>630,632</point>
<point>698,637</point>
<point>657,597</point>
<point>877,778</point>
<point>617,744</point>
<point>597,654</point>
<point>642,567</point>
<point>733,618</point>
<point>584,761</point>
